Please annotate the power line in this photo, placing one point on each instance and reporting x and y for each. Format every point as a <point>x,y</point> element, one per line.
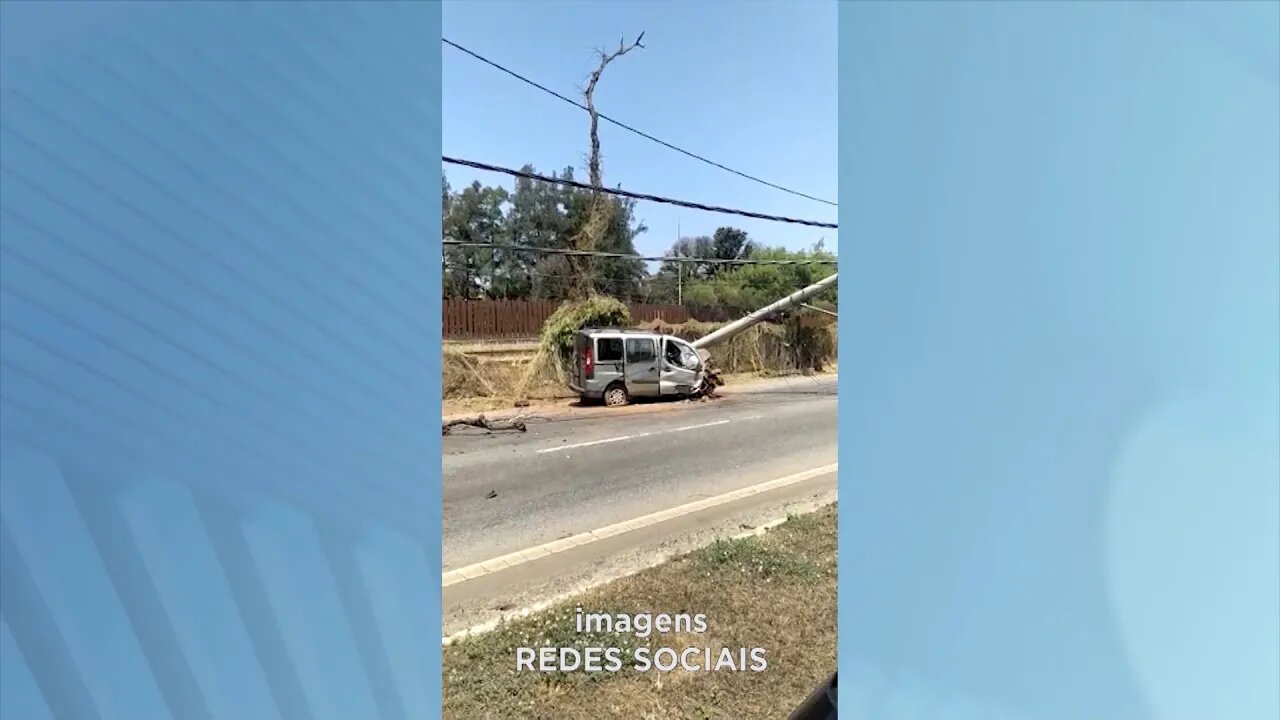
<point>636,196</point>
<point>633,283</point>
<point>637,286</point>
<point>624,126</point>
<point>634,289</point>
<point>626,256</point>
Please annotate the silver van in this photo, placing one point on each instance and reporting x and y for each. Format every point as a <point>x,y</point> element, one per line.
<point>618,364</point>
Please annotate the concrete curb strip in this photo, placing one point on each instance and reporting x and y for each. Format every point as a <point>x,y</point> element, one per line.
<point>486,567</point>
<point>551,602</point>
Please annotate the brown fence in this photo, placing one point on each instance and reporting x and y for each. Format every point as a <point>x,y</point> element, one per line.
<point>485,319</point>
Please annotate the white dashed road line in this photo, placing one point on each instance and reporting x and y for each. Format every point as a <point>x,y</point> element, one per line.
<point>510,560</point>
<point>589,443</point>
<point>701,425</point>
<point>636,436</point>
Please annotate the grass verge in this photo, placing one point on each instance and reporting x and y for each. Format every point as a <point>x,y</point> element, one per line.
<point>776,591</point>
<point>558,399</point>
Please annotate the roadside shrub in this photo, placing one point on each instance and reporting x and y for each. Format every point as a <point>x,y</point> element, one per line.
<point>572,316</point>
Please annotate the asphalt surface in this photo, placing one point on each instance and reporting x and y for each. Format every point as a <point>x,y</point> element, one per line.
<point>506,492</point>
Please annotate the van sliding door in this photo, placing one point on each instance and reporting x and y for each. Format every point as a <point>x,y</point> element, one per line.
<point>642,367</point>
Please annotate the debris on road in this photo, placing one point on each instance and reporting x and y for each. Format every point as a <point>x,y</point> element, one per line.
<point>480,421</point>
<point>710,378</point>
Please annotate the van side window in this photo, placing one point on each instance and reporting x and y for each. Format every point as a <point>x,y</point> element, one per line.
<point>609,350</point>
<point>672,352</point>
<point>640,350</point>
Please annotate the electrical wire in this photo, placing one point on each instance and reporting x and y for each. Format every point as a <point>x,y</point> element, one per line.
<point>633,195</point>
<point>640,258</point>
<point>629,128</point>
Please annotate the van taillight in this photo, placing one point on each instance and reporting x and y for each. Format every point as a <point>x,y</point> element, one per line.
<point>588,365</point>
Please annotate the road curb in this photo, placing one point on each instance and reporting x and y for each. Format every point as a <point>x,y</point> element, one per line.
<point>575,413</point>
<point>655,561</point>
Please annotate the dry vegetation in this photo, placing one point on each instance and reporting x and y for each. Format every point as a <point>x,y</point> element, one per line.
<point>474,383</point>
<point>777,591</point>
<point>766,349</point>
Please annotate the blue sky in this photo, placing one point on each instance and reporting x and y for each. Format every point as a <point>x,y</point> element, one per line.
<point>751,85</point>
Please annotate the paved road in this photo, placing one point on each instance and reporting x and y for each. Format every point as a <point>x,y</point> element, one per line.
<point>573,476</point>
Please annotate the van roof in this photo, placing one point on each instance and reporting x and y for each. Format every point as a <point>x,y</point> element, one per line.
<point>627,331</point>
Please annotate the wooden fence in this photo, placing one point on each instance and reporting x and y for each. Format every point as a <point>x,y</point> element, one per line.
<point>485,319</point>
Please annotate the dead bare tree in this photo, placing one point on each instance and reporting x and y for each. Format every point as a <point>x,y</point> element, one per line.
<point>601,211</point>
<point>600,214</point>
<point>593,165</point>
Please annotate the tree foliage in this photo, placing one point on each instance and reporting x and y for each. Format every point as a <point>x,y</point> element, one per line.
<point>537,214</point>
<point>742,287</point>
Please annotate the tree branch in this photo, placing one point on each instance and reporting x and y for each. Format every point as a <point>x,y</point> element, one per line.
<point>480,421</point>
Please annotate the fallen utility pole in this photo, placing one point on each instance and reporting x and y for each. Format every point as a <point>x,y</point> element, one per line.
<point>793,300</point>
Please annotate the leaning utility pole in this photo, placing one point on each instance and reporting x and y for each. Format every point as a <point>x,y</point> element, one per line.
<point>737,326</point>
<point>679,272</point>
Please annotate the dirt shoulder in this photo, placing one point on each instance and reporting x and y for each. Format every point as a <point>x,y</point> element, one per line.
<point>776,591</point>
<point>568,406</point>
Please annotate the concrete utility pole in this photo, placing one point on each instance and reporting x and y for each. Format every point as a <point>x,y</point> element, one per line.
<point>679,272</point>
<point>794,299</point>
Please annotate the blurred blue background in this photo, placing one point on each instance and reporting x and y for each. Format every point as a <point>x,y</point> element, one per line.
<point>219,344</point>
<point>1060,469</point>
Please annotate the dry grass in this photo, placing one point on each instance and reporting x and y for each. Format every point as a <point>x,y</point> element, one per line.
<point>502,383</point>
<point>777,591</point>
<point>471,377</point>
<point>766,349</point>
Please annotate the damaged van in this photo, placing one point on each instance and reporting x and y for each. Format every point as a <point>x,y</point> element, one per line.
<point>617,365</point>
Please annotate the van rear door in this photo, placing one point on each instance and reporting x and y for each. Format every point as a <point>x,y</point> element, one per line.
<point>581,348</point>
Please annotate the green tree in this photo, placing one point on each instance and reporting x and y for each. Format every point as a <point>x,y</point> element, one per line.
<point>743,288</point>
<point>475,215</point>
<point>727,243</point>
<point>546,215</point>
<point>617,277</point>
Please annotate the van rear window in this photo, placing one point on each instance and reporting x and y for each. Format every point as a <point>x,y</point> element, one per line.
<point>609,350</point>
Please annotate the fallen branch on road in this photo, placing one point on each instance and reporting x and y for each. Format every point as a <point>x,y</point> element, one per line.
<point>516,423</point>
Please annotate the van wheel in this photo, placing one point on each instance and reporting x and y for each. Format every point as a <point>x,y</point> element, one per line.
<point>616,395</point>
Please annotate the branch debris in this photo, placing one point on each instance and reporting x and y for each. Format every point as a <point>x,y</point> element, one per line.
<point>516,424</point>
